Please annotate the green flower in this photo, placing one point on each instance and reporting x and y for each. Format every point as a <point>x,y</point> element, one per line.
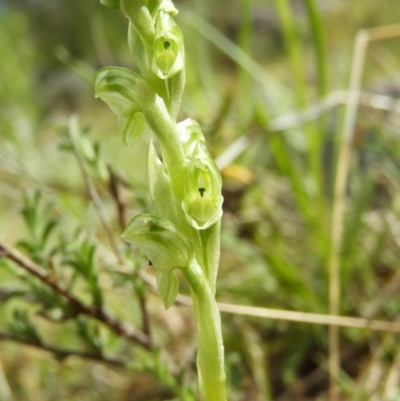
<point>160,241</point>
<point>168,56</point>
<point>190,135</point>
<point>202,203</point>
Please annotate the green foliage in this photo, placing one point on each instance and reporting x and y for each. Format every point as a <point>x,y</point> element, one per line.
<point>79,253</point>
<point>243,70</point>
<point>22,326</point>
<point>40,225</point>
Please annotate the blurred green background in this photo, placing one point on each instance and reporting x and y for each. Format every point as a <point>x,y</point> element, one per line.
<point>248,62</point>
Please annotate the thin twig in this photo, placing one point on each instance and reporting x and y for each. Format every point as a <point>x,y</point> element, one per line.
<point>103,218</point>
<point>312,318</point>
<point>339,204</point>
<point>334,99</point>
<point>343,166</point>
<point>121,328</point>
<point>93,193</point>
<point>63,353</point>
<point>278,314</point>
<point>296,118</point>
<point>392,286</point>
<point>114,185</point>
<point>383,32</point>
<point>145,313</point>
<point>116,194</point>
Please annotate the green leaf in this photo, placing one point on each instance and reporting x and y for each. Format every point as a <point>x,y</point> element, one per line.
<point>120,88</point>
<point>168,288</point>
<point>90,335</point>
<point>111,4</point>
<point>30,210</point>
<point>85,146</point>
<point>160,241</point>
<point>80,255</point>
<point>28,246</point>
<point>50,226</point>
<point>22,326</point>
<point>131,126</point>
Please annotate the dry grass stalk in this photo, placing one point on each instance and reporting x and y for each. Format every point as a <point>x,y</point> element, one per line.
<point>343,166</point>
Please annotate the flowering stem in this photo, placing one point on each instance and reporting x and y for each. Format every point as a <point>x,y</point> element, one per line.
<point>185,187</point>
<point>210,357</point>
<point>164,128</point>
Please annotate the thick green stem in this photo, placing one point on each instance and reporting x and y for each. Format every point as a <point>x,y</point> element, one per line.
<point>210,356</point>
<point>139,15</point>
<point>159,120</point>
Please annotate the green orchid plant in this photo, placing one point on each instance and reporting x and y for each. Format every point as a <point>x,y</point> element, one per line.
<point>185,187</point>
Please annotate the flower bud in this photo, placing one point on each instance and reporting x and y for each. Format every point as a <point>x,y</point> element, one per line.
<point>190,135</point>
<point>169,7</point>
<point>160,241</point>
<point>167,46</point>
<point>202,203</point>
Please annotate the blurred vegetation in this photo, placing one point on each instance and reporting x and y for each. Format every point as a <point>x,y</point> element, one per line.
<point>248,63</point>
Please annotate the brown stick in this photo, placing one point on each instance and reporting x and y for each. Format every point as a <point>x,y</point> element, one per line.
<point>113,184</point>
<point>93,194</point>
<point>145,314</point>
<point>121,328</point>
